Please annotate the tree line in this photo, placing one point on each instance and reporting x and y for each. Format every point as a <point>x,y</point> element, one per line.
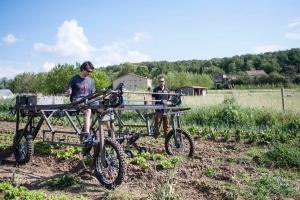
<point>281,67</point>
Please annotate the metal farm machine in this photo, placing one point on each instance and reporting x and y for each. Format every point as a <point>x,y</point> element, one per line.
<point>107,153</point>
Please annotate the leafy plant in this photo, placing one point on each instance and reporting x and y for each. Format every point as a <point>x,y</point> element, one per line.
<point>176,159</point>
<point>226,134</point>
<point>285,155</point>
<point>210,171</point>
<point>253,137</point>
<point>145,155</point>
<point>238,135</point>
<point>145,166</point>
<point>157,156</point>
<point>165,164</point>
<point>63,182</point>
<point>12,192</point>
<point>266,137</point>
<point>138,160</point>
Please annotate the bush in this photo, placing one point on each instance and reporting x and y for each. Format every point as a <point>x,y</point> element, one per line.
<point>285,155</point>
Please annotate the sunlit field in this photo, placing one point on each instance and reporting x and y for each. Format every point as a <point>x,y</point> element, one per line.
<point>248,98</point>
<point>269,99</point>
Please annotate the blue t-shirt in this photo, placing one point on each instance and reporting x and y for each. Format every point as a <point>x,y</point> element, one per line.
<point>81,87</point>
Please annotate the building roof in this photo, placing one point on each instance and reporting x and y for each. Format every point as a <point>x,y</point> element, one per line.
<point>132,75</point>
<point>256,73</point>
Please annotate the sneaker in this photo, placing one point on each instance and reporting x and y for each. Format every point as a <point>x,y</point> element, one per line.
<point>86,137</point>
<point>151,134</point>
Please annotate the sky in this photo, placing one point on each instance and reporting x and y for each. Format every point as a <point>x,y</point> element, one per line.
<point>37,35</point>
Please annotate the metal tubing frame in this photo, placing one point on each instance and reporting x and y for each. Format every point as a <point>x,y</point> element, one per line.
<point>48,111</point>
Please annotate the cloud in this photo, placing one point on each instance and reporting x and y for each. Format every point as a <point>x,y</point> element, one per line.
<point>70,43</point>
<point>141,36</point>
<point>10,69</point>
<point>295,23</point>
<point>116,46</point>
<point>47,66</point>
<point>115,57</point>
<point>294,36</point>
<point>10,39</point>
<point>266,48</point>
<point>292,24</point>
<point>119,52</point>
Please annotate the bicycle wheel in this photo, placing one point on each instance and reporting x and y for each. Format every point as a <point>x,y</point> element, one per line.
<point>24,150</point>
<point>183,145</point>
<point>112,172</point>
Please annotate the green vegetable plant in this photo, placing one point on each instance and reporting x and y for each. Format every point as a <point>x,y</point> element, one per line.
<point>145,155</point>
<point>175,159</point>
<point>63,182</point>
<point>145,166</point>
<point>138,160</point>
<point>165,164</point>
<point>157,156</point>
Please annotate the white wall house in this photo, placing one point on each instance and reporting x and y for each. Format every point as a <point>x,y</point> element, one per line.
<point>132,81</point>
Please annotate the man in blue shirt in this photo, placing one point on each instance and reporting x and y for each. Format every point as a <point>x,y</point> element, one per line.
<point>80,86</point>
<point>160,94</point>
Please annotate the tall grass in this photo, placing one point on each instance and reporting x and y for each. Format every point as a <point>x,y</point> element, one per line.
<point>271,99</point>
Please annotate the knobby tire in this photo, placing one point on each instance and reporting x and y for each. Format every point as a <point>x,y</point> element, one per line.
<point>24,150</point>
<point>113,172</point>
<point>179,150</point>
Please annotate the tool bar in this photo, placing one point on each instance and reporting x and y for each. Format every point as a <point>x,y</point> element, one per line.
<point>130,92</point>
<point>143,100</point>
<point>67,107</point>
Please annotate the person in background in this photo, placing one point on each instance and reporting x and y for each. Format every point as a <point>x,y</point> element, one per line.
<point>164,95</point>
<point>80,86</point>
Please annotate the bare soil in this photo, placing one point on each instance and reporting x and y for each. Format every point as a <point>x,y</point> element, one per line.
<point>189,180</point>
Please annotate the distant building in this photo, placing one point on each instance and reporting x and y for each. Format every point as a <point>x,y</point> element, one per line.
<point>132,81</point>
<point>256,73</point>
<point>223,78</point>
<point>193,90</point>
<point>6,93</point>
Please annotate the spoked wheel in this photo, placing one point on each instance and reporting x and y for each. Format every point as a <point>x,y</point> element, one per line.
<point>112,172</point>
<point>180,143</point>
<point>24,150</point>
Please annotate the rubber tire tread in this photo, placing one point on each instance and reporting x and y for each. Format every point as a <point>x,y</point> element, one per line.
<point>122,168</point>
<point>187,135</point>
<point>30,147</point>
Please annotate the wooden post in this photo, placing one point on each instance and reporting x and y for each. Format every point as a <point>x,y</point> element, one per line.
<point>282,97</point>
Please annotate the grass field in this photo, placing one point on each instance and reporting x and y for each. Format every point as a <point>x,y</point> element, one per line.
<point>248,98</point>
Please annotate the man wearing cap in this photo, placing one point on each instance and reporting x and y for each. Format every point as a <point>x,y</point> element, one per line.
<point>160,94</point>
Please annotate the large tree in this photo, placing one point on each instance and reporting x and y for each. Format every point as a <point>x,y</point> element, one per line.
<point>59,77</point>
<point>102,81</point>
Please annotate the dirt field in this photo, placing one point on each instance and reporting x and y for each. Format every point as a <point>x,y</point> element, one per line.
<point>190,180</point>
